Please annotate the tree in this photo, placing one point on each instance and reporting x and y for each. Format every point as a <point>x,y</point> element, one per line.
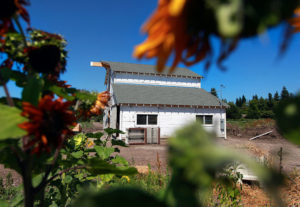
<point>213,92</point>
<point>255,97</point>
<point>270,102</point>
<point>253,111</point>
<point>284,93</point>
<point>233,112</point>
<point>244,100</point>
<point>276,97</point>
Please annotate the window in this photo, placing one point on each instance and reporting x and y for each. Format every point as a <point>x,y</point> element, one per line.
<point>141,119</point>
<point>146,119</point>
<point>205,119</point>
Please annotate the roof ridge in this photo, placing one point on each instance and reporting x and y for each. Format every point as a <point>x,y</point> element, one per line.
<point>142,68</point>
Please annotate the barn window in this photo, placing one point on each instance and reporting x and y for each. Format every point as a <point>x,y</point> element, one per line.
<point>205,119</point>
<point>152,119</point>
<point>141,119</point>
<point>146,119</point>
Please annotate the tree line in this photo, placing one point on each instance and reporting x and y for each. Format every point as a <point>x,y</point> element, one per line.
<point>257,107</point>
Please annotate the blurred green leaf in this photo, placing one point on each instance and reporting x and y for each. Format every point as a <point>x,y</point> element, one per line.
<point>10,117</point>
<point>117,142</point>
<point>61,92</point>
<point>4,204</point>
<point>99,167</point>
<point>33,89</point>
<point>119,160</point>
<point>111,131</point>
<point>104,152</point>
<point>68,179</point>
<point>77,154</point>
<point>196,160</point>
<point>94,135</point>
<point>288,118</point>
<point>125,197</point>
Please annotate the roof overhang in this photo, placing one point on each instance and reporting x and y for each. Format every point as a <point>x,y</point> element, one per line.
<point>173,106</point>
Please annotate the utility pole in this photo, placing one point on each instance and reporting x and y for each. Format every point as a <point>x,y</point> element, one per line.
<point>222,121</point>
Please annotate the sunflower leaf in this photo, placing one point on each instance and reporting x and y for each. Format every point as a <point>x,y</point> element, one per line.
<point>10,117</point>
<point>33,89</point>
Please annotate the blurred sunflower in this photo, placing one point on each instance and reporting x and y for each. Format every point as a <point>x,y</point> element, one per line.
<point>9,8</point>
<point>183,29</point>
<point>48,123</point>
<point>295,22</point>
<point>101,102</point>
<point>45,59</point>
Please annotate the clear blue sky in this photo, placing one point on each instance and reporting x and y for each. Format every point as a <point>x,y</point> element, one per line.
<point>108,30</point>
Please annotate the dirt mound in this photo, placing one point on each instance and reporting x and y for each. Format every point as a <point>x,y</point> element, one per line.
<point>253,129</point>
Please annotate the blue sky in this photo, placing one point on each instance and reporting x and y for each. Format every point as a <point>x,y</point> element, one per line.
<point>108,30</point>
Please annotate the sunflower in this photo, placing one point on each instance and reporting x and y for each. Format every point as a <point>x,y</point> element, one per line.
<point>49,54</point>
<point>101,102</point>
<point>295,22</point>
<point>166,31</point>
<point>48,124</point>
<point>9,8</point>
<point>184,29</point>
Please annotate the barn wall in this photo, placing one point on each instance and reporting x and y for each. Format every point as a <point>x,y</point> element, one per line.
<point>156,80</point>
<point>170,119</point>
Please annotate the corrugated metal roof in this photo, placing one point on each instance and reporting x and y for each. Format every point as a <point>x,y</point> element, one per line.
<point>141,68</point>
<point>144,94</point>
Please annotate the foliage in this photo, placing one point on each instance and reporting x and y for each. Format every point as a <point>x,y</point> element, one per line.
<point>7,190</point>
<point>213,91</point>
<point>85,162</point>
<point>287,118</point>
<point>233,112</point>
<point>228,191</point>
<point>256,107</point>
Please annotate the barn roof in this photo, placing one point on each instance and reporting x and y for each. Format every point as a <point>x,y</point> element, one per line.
<point>164,95</point>
<point>149,69</point>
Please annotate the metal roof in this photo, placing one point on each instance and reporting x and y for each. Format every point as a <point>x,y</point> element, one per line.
<point>145,94</point>
<point>141,68</point>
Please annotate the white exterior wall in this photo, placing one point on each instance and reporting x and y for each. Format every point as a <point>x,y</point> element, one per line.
<point>156,80</point>
<point>170,119</point>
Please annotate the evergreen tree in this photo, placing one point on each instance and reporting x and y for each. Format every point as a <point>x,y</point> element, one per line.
<point>284,93</point>
<point>213,92</point>
<point>276,97</point>
<point>270,102</point>
<point>253,111</point>
<point>244,100</point>
<point>255,97</point>
<point>233,112</point>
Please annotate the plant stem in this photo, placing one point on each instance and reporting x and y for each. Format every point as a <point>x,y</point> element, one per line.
<point>20,30</point>
<point>27,182</point>
<point>9,100</point>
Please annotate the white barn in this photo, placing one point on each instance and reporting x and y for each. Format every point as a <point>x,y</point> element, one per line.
<point>142,97</point>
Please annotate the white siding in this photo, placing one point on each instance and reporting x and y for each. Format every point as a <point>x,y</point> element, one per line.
<point>156,80</point>
<point>170,119</point>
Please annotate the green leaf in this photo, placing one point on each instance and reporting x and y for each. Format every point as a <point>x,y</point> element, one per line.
<point>68,179</point>
<point>117,142</point>
<point>61,92</point>
<point>4,203</point>
<point>10,117</point>
<point>94,135</point>
<point>119,160</point>
<point>77,154</point>
<point>99,167</point>
<point>287,117</point>
<point>104,152</point>
<point>111,131</point>
<point>33,89</point>
<point>131,197</point>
